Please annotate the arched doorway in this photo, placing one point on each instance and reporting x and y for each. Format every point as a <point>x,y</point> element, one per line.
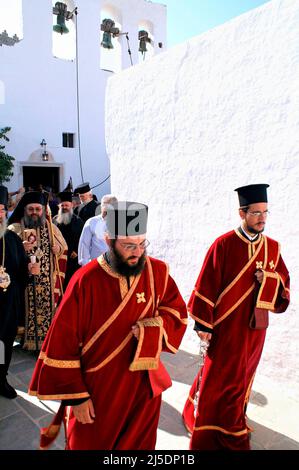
<point>35,172</point>
<point>47,176</point>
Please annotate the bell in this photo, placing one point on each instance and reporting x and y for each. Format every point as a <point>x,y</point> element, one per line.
<point>106,41</point>
<point>143,39</point>
<point>142,46</point>
<point>60,22</point>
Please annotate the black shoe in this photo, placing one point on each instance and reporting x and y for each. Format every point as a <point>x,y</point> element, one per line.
<point>7,390</point>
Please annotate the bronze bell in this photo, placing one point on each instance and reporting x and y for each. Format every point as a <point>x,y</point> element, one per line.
<point>108,26</point>
<point>106,41</point>
<point>60,26</point>
<point>143,39</point>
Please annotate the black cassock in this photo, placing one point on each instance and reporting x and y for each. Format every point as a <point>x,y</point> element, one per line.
<point>12,308</point>
<point>85,211</point>
<point>71,233</point>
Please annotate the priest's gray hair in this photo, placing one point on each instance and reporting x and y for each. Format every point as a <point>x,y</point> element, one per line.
<point>106,200</point>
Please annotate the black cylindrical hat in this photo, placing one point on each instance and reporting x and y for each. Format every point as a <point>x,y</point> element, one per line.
<point>82,188</point>
<point>3,195</point>
<point>252,194</point>
<point>65,196</point>
<point>126,218</point>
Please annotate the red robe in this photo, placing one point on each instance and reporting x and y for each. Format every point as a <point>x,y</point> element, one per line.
<point>90,351</point>
<point>223,300</point>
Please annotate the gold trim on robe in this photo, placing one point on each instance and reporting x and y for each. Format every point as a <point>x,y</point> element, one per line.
<point>142,361</point>
<point>166,279</point>
<point>234,281</point>
<point>246,239</point>
<point>251,288</point>
<point>172,348</point>
<point>121,346</point>
<point>63,396</point>
<point>59,363</point>
<point>152,283</point>
<point>175,313</point>
<point>267,292</point>
<point>121,306</point>
<point>199,320</point>
<point>218,428</point>
<point>202,297</point>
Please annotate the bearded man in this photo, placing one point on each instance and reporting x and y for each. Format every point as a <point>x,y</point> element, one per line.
<point>71,227</point>
<point>13,280</point>
<point>88,205</point>
<point>118,313</point>
<point>49,249</point>
<point>242,277</point>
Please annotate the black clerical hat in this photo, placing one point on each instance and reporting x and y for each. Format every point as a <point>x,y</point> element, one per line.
<point>31,197</point>
<point>65,196</point>
<point>3,196</point>
<point>82,188</point>
<point>69,186</point>
<point>126,218</point>
<point>251,194</point>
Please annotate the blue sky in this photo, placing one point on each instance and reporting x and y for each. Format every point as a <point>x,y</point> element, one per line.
<point>188,18</point>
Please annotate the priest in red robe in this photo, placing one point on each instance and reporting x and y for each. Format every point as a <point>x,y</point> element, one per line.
<point>101,356</point>
<point>243,277</point>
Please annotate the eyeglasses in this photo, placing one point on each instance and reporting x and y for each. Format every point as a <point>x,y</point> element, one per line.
<point>258,213</point>
<point>132,246</point>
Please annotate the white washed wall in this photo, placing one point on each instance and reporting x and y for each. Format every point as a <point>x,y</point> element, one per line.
<point>212,114</point>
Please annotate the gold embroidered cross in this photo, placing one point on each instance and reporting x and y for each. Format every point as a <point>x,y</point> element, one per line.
<point>140,298</point>
<point>271,264</point>
<point>39,289</point>
<point>259,264</point>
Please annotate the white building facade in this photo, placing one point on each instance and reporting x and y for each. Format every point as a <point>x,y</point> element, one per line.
<point>50,81</point>
<point>212,114</point>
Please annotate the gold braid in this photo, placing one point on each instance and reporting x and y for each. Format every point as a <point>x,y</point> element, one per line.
<point>55,255</point>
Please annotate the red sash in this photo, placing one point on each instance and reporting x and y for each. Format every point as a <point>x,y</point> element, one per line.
<point>140,304</point>
<point>265,258</point>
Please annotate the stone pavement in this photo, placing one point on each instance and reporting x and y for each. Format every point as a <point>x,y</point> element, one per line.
<point>273,416</point>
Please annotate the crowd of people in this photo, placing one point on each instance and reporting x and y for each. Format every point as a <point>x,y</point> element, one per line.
<point>78,286</point>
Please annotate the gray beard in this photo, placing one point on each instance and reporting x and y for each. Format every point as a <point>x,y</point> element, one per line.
<point>3,228</point>
<point>64,217</point>
<point>30,223</point>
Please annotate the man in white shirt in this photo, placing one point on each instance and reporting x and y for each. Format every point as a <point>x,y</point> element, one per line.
<point>92,243</point>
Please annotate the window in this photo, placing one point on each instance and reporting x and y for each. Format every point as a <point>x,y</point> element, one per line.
<point>68,140</point>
